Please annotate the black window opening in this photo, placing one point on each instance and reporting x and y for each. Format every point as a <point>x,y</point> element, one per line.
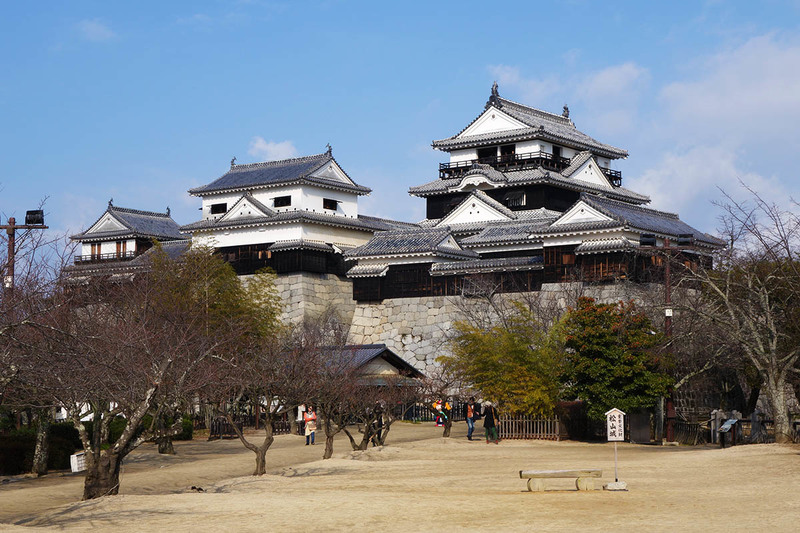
<point>514,199</point>
<point>217,209</point>
<point>556,152</point>
<point>282,201</point>
<point>507,152</point>
<point>487,154</point>
<point>327,203</point>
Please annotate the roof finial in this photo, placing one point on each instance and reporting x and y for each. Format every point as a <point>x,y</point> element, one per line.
<point>233,162</point>
<point>329,151</point>
<point>111,202</point>
<point>494,99</point>
<point>565,114</point>
<point>167,210</point>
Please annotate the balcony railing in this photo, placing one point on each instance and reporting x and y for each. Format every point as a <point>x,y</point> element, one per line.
<point>519,162</point>
<point>102,258</point>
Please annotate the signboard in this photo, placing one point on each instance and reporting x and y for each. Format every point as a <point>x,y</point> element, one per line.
<point>615,425</point>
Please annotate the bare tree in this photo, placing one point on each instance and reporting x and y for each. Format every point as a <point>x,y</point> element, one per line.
<point>753,296</point>
<point>134,347</point>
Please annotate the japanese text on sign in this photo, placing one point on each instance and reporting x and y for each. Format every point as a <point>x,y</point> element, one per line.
<point>615,425</point>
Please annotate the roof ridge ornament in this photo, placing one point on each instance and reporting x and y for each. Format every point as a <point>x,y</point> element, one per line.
<point>494,99</point>
<point>565,113</point>
<point>111,202</point>
<point>233,162</point>
<point>167,210</point>
<point>329,151</point>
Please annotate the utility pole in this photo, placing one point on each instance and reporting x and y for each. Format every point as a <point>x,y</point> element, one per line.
<point>33,220</point>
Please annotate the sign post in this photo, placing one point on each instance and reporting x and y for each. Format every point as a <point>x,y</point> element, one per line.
<point>615,431</point>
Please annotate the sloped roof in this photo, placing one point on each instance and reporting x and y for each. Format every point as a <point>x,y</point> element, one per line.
<point>507,233</point>
<point>540,125</point>
<point>272,173</point>
<point>360,222</point>
<point>499,264</point>
<point>375,270</point>
<point>360,355</point>
<point>174,250</point>
<point>597,246</point>
<point>410,241</point>
<point>648,220</point>
<point>297,244</point>
<point>517,178</point>
<point>137,223</point>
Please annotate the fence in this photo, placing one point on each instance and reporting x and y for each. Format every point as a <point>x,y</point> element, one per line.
<point>528,427</point>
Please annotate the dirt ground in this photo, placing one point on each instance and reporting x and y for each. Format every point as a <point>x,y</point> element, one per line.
<point>421,482</point>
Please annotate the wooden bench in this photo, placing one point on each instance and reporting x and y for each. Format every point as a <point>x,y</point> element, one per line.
<point>583,478</point>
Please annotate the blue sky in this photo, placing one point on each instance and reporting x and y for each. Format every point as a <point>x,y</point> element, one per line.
<point>142,101</point>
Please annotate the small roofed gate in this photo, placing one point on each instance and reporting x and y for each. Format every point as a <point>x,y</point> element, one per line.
<point>528,427</point>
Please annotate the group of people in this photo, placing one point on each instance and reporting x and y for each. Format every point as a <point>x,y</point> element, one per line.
<point>472,412</point>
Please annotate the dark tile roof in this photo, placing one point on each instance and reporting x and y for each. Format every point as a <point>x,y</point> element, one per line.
<point>361,354</point>
<point>410,241</point>
<point>138,223</point>
<point>375,270</point>
<point>500,264</point>
<point>540,125</point>
<point>364,223</point>
<point>507,233</point>
<point>648,220</point>
<point>272,173</point>
<point>517,178</point>
<point>298,244</point>
<point>174,250</point>
<point>621,244</point>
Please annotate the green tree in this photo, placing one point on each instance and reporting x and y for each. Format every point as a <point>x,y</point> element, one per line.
<point>610,360</point>
<point>516,364</point>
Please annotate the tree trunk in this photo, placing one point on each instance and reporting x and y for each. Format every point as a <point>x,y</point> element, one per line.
<point>42,452</point>
<point>164,441</point>
<point>780,411</point>
<point>329,434</point>
<point>102,475</point>
<point>165,445</point>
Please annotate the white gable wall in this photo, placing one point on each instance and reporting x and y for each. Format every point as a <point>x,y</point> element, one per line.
<point>590,173</point>
<point>581,212</point>
<point>473,210</point>
<point>245,236</point>
<point>490,121</point>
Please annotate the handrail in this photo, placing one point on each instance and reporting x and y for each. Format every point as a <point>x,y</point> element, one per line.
<point>113,256</point>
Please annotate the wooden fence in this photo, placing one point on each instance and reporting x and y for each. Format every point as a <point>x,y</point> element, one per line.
<point>528,427</point>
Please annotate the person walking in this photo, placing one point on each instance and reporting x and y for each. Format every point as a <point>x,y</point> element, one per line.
<point>490,423</point>
<point>310,418</point>
<point>472,412</point>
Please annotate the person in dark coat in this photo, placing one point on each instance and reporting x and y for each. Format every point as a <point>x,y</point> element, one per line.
<point>490,423</point>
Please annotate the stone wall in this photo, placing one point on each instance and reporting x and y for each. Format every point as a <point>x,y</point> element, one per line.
<point>417,328</point>
<point>306,296</point>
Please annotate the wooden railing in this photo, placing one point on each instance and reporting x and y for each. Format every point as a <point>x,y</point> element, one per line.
<point>528,427</point>
<point>518,162</point>
<point>99,258</point>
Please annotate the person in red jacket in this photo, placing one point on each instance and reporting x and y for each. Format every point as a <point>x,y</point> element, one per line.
<point>310,418</point>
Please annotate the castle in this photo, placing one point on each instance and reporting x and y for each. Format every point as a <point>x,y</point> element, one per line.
<point>526,203</point>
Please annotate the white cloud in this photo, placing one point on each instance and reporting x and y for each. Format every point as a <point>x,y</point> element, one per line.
<point>95,30</point>
<point>612,97</point>
<point>749,93</point>
<point>271,151</point>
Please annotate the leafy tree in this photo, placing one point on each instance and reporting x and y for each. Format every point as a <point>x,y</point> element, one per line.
<point>610,360</point>
<point>516,363</point>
